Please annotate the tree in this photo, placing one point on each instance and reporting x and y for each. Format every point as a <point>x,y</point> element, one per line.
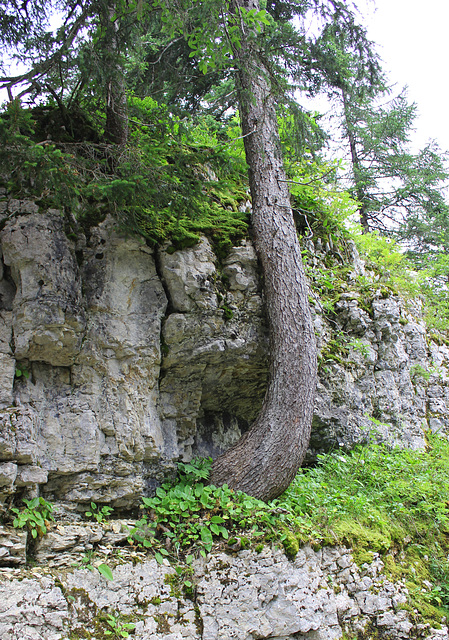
<point>425,228</point>
<point>392,185</point>
<point>266,459</point>
<point>60,64</point>
<point>388,181</point>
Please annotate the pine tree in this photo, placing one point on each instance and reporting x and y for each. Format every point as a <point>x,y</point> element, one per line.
<point>388,181</point>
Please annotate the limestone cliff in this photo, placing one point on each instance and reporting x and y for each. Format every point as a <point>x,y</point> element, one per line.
<point>117,360</point>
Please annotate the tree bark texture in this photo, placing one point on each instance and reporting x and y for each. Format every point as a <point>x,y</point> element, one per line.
<point>116,128</point>
<point>266,459</point>
<point>356,167</point>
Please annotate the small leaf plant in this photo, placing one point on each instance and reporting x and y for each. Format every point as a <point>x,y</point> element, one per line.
<point>35,517</point>
<point>100,514</point>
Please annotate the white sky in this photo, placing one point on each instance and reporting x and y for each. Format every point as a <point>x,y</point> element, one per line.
<point>413,42</point>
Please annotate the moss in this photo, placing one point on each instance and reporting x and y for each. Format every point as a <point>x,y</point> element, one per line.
<point>245,543</point>
<point>164,347</point>
<point>438,338</point>
<point>162,623</point>
<point>174,582</point>
<point>427,611</point>
<point>81,596</point>
<point>80,634</point>
<point>228,314</point>
<point>411,567</point>
<point>199,621</point>
<point>334,350</point>
<point>393,570</point>
<point>366,304</point>
<point>359,536</point>
<point>370,632</point>
<point>291,545</point>
<point>362,557</point>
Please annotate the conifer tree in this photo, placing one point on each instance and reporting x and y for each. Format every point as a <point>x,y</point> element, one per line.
<point>267,457</point>
<point>388,181</point>
<point>60,63</point>
<point>263,51</point>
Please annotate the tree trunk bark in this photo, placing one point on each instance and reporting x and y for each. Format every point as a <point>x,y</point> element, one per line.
<point>266,459</point>
<point>356,168</point>
<point>116,128</point>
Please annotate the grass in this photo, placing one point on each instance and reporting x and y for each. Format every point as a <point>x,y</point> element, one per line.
<point>391,501</point>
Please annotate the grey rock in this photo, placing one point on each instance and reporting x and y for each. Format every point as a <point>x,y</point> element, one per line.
<point>8,474</point>
<point>29,475</point>
<point>12,547</point>
<point>18,434</point>
<point>189,275</point>
<point>33,610</point>
<point>134,361</point>
<point>238,597</point>
<point>72,538</point>
<point>48,314</point>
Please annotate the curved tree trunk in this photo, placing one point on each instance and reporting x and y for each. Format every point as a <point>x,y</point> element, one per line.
<point>265,460</point>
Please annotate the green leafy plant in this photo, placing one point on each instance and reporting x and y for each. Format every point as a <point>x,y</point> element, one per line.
<point>418,371</point>
<point>359,346</point>
<point>118,628</point>
<point>386,500</point>
<point>173,183</point>
<point>375,499</point>
<point>87,563</point>
<point>192,515</point>
<point>105,571</point>
<point>22,371</point>
<point>100,514</point>
<point>35,517</point>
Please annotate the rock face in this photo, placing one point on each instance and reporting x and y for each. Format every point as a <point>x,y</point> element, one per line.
<point>318,596</point>
<point>117,361</point>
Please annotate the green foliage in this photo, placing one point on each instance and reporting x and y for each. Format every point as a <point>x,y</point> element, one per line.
<point>35,169</point>
<point>394,188</point>
<point>321,208</point>
<point>417,371</point>
<point>117,627</point>
<point>172,183</point>
<point>105,571</point>
<point>100,514</point>
<point>22,371</point>
<point>397,274</point>
<point>359,346</point>
<point>214,43</point>
<point>375,499</point>
<point>191,514</point>
<point>35,516</point>
<point>393,501</point>
<point>87,563</point>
